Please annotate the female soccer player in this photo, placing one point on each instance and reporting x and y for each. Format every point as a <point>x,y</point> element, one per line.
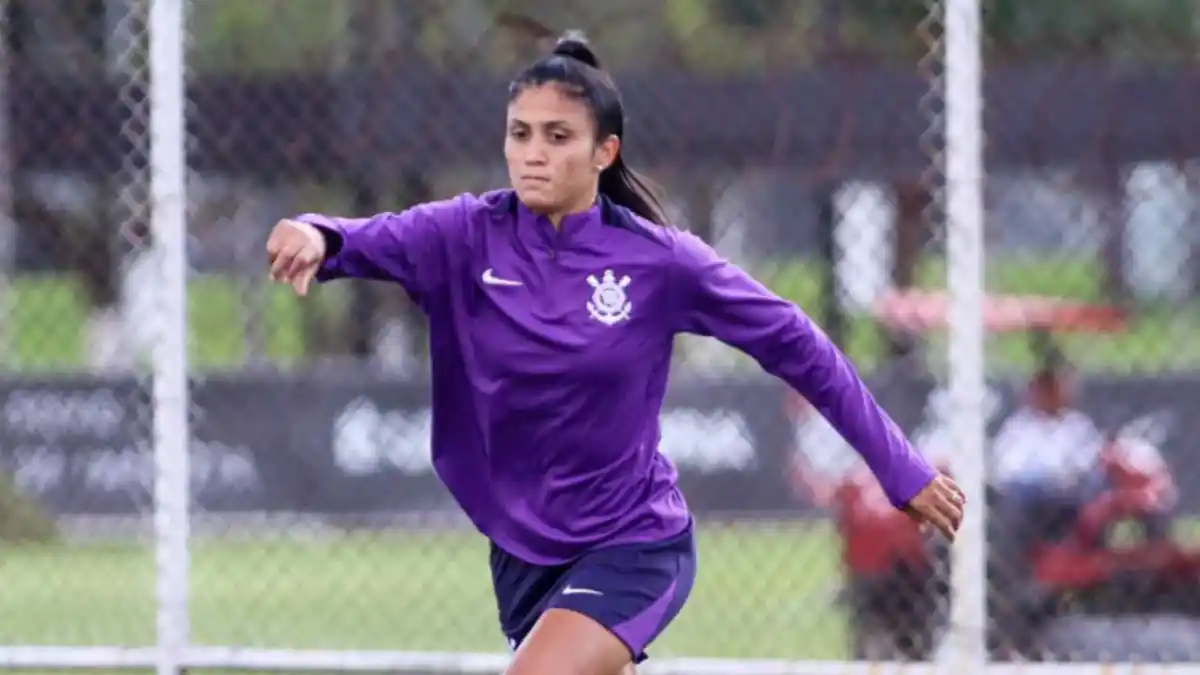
<point>552,310</point>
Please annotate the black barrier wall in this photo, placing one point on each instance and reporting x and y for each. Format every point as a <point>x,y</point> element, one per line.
<point>324,447</point>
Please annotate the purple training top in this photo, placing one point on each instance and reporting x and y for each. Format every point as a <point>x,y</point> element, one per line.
<point>550,351</point>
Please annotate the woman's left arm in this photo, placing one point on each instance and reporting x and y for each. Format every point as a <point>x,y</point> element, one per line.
<point>718,299</point>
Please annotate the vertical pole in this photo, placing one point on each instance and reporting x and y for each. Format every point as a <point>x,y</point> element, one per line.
<point>168,197</point>
<point>967,387</point>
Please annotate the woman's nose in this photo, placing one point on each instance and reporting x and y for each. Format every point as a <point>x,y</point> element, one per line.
<point>536,157</point>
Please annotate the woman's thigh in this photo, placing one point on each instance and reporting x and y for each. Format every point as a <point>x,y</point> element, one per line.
<point>565,642</point>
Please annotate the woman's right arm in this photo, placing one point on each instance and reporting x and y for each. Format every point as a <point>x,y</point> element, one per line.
<point>410,247</point>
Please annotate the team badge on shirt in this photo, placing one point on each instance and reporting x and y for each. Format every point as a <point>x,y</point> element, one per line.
<point>609,304</point>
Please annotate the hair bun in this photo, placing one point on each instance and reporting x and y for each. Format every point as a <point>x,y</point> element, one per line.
<point>574,45</point>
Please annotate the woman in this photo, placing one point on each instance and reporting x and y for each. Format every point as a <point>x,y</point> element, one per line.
<point>552,311</point>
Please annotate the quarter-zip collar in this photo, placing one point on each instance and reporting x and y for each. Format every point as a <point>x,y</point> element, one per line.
<point>574,228</point>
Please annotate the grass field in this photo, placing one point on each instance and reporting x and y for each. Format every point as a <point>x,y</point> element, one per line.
<point>764,591</point>
<point>46,317</point>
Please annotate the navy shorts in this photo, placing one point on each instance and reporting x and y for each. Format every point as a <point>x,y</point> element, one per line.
<point>634,590</point>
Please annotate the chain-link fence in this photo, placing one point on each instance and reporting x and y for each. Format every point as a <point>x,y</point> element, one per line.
<point>807,141</point>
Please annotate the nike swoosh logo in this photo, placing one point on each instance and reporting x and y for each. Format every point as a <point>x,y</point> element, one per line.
<point>491,279</point>
<point>571,590</point>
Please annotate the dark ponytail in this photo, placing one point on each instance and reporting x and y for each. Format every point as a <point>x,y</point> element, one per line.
<point>574,64</point>
<point>635,192</point>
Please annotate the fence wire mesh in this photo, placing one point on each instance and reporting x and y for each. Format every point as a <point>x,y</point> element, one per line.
<point>805,140</point>
<point>77,266</point>
<point>1090,201</point>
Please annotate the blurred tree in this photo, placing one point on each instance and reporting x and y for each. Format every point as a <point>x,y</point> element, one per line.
<point>1018,29</point>
<point>267,35</point>
<point>628,33</point>
<point>1118,30</point>
<point>744,35</point>
<point>274,35</point>
<point>72,38</point>
<point>750,14</point>
<point>883,30</point>
<point>62,36</point>
<point>1111,31</point>
<point>716,35</point>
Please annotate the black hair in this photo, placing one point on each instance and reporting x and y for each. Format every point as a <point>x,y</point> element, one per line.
<point>574,66</point>
<point>1052,362</point>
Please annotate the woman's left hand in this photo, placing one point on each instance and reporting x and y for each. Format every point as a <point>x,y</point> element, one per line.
<point>940,504</point>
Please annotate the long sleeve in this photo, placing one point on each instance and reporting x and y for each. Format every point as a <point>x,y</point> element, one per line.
<point>718,299</point>
<point>413,247</point>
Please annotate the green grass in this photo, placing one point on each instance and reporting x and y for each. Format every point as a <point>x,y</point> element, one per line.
<point>47,317</point>
<point>1158,338</point>
<point>47,314</point>
<point>763,591</point>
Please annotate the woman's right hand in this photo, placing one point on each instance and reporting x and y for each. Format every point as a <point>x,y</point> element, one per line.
<point>295,251</point>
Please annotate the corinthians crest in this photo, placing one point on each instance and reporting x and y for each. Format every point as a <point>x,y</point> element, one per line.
<point>609,304</point>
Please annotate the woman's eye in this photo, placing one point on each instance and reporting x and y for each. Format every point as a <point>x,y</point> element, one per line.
<point>519,134</point>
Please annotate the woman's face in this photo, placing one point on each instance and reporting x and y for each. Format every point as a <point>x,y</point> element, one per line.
<point>554,161</point>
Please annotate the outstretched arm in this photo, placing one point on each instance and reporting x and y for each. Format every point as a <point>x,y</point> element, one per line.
<point>718,299</point>
<point>411,247</point>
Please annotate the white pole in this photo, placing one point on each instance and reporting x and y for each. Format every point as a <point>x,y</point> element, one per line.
<point>168,185</point>
<point>964,239</point>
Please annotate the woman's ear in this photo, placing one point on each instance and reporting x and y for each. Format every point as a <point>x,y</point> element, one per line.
<point>607,152</point>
